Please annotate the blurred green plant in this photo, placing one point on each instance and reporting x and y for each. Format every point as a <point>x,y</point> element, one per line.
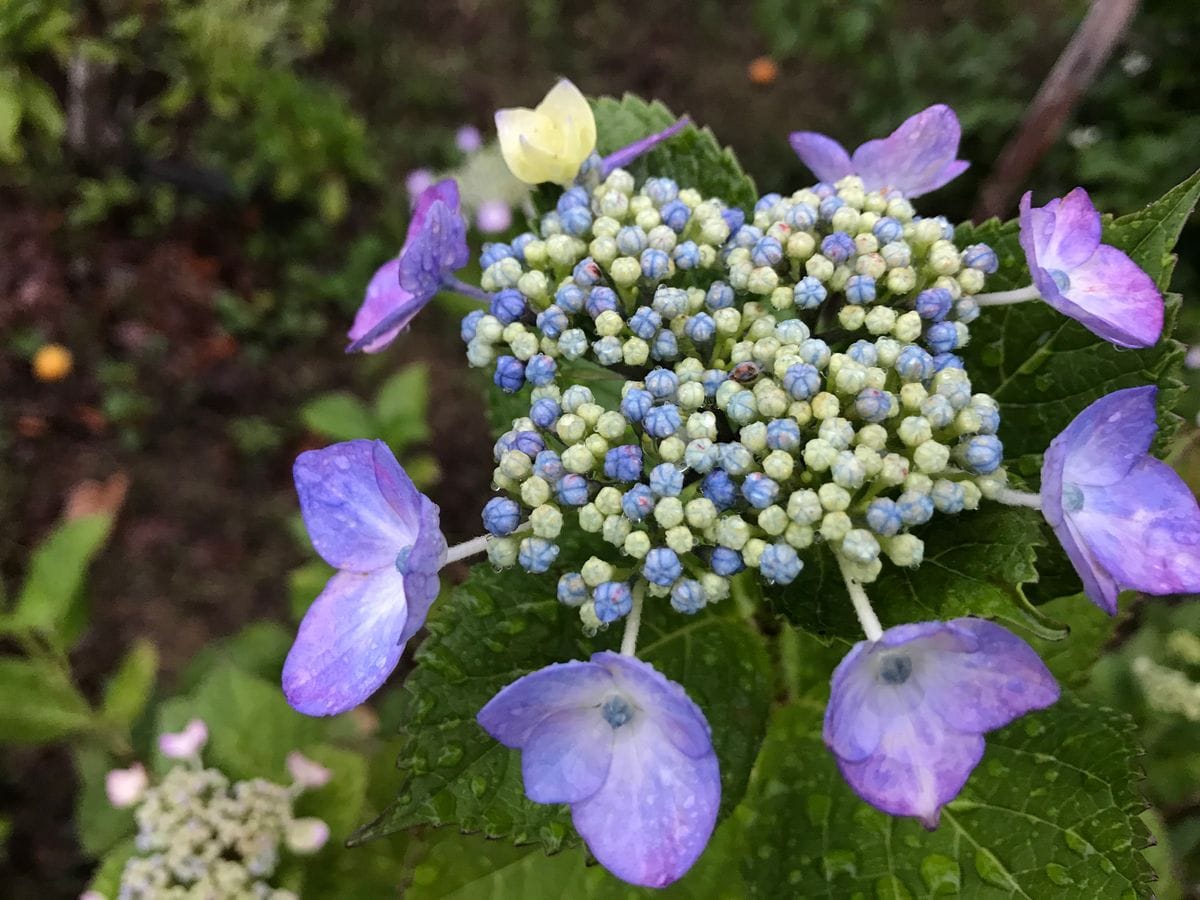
<point>30,114</point>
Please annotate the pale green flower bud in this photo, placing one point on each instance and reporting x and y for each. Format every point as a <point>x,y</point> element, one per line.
<point>609,323</point>
<point>887,349</point>
<point>671,449</point>
<point>833,497</point>
<point>905,550</point>
<point>902,280</point>
<point>799,536</point>
<point>489,329</point>
<point>845,219</point>
<point>852,318</point>
<point>648,219</point>
<point>715,587</point>
<point>690,395</point>
<point>865,243</point>
<point>912,395</point>
<point>863,573</point>
<point>608,501</point>
<point>835,526</point>
<point>896,255</point>
<point>944,258</point>
<point>773,402</point>
<point>591,519</point>
<point>894,470</point>
<point>605,226</point>
<point>728,321</point>
<point>872,264</point>
<point>800,245</point>
<point>753,551</point>
<point>763,280</point>
<point>991,485</point>
<point>668,512</point>
<point>914,430</point>
<point>700,512</point>
<point>513,331</point>
<point>918,482</point>
<point>596,571</point>
<point>851,377</point>
<point>801,411</point>
<point>819,455</point>
<point>620,180</point>
<point>971,495</point>
<point>901,209</point>
<point>635,352</point>
<point>804,507</point>
<point>546,520</point>
<point>715,232</point>
<point>876,378</point>
<point>754,437</point>
<point>616,529</point>
<point>970,280</point>
<point>506,272</point>
<point>875,203</point>
<point>502,482</point>
<point>702,425</point>
<point>611,425</point>
<point>931,457</point>
<point>604,251</point>
<point>564,251</point>
<point>515,464</point>
<point>570,428</point>
<point>860,546</point>
<point>590,413</point>
<point>578,459</point>
<point>596,445</point>
<point>502,552</point>
<point>625,271</point>
<point>871,436</point>
<point>587,616</point>
<point>927,231</point>
<point>782,298</point>
<point>778,464</point>
<point>637,544</point>
<point>825,406</point>
<point>679,539</point>
<point>536,256</point>
<point>524,346</point>
<point>480,355</point>
<point>660,237</point>
<point>614,203</point>
<point>690,197</point>
<point>840,276</point>
<point>871,460</point>
<point>819,267</point>
<point>732,532</point>
<point>773,520</point>
<point>949,284</point>
<point>535,491</point>
<point>967,421</point>
<point>533,285</point>
<point>880,320</point>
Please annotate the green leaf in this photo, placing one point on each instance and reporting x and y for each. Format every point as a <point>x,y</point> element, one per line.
<point>38,704</point>
<point>1051,811</point>
<point>693,157</point>
<point>99,824</point>
<point>107,880</point>
<point>258,649</point>
<point>340,802</point>
<point>499,626</point>
<point>1071,659</point>
<point>339,416</point>
<point>401,407</point>
<point>975,564</point>
<point>304,584</point>
<point>1044,368</point>
<point>56,574</point>
<point>129,689</point>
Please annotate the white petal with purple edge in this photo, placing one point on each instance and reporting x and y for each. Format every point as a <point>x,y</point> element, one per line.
<point>655,813</point>
<point>567,755</point>
<point>516,710</point>
<point>348,643</point>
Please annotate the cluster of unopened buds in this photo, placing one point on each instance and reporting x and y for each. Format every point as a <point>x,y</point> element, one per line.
<point>758,382</point>
<point>201,836</point>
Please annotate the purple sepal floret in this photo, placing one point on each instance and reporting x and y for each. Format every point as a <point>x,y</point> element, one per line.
<point>366,519</point>
<point>627,749</point>
<point>1125,519</point>
<point>907,713</point>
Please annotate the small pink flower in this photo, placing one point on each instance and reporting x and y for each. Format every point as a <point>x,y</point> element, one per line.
<point>184,744</point>
<point>306,772</point>
<point>418,181</point>
<point>493,216</point>
<point>468,139</point>
<point>307,835</point>
<point>125,787</point>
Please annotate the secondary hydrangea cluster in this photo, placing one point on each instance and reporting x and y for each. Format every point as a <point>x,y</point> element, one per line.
<point>710,392</point>
<point>202,836</point>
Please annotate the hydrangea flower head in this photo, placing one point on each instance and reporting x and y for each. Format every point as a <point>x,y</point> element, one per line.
<point>916,158</point>
<point>1093,283</point>
<point>366,519</point>
<point>434,248</point>
<point>627,749</point>
<point>907,713</point>
<point>550,142</point>
<point>1125,519</point>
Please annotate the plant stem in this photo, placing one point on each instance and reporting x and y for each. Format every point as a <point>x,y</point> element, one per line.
<point>633,622</point>
<point>1019,498</point>
<point>862,605</point>
<point>467,290</point>
<point>1003,298</point>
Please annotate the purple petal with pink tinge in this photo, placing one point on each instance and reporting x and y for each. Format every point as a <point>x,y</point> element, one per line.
<point>825,157</point>
<point>916,158</point>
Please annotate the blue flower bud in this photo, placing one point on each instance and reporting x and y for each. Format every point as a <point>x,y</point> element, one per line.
<point>608,351</point>
<point>665,346</point>
<point>933,304</point>
<point>548,466</point>
<point>759,490</point>
<point>662,383</point>
<point>837,247</point>
<point>801,217</point>
<point>767,251</point>
<point>573,343</point>
<point>815,352</point>
<point>829,206</point>
<point>726,562</point>
<point>501,516</point>
<point>670,302</point>
<point>636,403</point>
<point>966,310</point>
<point>700,455</point>
<point>655,264</point>
<point>624,463</point>
<point>981,257</point>
<point>914,364</point>
<point>947,227</point>
<point>661,191</point>
<point>713,379</point>
<point>700,328</point>
<point>536,555</point>
<point>508,305</point>
<point>570,298</point>
<point>552,321</point>
<point>666,480</point>
<point>573,198</point>
<point>493,253</point>
<point>783,434</point>
<point>613,599</point>
<point>645,323</point>
<point>637,503</point>
<point>662,421</point>
<point>631,240</point>
<point>686,256</point>
<point>824,189</point>
<point>734,218</point>
<point>779,564</point>
<point>662,567</point>
<point>809,293</point>
<point>601,299</point>
<point>540,370</point>
<point>982,453</point>
<point>736,459</point>
<point>687,596</point>
<point>766,201</point>
<point>572,490</point>
<point>675,215</point>
<point>528,442</point>
<point>887,230</point>
<point>947,361</point>
<point>571,589</point>
<point>470,324</point>
<point>586,273</point>
<point>719,296</point>
<point>510,374</point>
<point>941,337</point>
<point>947,496</point>
<point>860,290</point>
<point>937,410</point>
<point>745,237</point>
<point>791,331</point>
<point>577,220</point>
<point>520,242</point>
<point>873,405</point>
<point>883,517</point>
<point>718,487</point>
<point>989,419</point>
<point>863,352</point>
<point>742,407</point>
<point>802,381</point>
<point>914,508</point>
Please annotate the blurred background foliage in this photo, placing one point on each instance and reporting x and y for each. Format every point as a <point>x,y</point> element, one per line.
<point>193,196</point>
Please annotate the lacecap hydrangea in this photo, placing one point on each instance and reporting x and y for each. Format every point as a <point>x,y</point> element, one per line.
<point>709,390</point>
